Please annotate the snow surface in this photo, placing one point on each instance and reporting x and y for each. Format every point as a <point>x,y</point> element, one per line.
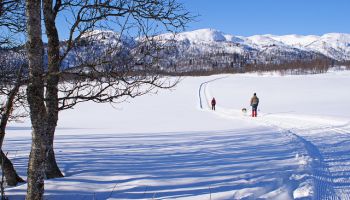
<point>172,146</point>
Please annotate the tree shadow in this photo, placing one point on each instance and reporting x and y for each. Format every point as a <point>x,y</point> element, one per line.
<point>167,165</point>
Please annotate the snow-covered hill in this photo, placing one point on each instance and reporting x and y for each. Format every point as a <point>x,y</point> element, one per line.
<point>332,45</point>
<point>210,49</point>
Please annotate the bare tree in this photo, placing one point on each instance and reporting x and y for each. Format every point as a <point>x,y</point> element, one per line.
<point>35,96</point>
<point>109,85</point>
<point>11,77</point>
<point>76,74</point>
<point>12,100</point>
<point>12,21</point>
<point>11,15</point>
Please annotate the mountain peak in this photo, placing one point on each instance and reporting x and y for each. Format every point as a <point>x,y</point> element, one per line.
<point>203,35</point>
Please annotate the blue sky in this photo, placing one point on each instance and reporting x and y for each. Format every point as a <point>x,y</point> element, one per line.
<point>250,17</point>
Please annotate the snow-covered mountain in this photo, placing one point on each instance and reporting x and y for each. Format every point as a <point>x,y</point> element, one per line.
<point>210,49</point>
<point>334,45</point>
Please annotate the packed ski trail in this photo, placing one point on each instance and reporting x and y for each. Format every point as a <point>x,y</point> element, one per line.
<point>326,140</point>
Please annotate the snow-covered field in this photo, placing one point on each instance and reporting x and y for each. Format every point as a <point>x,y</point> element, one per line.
<point>166,146</point>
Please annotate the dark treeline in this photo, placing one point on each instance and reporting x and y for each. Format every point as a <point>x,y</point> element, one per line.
<point>235,63</point>
<point>296,67</point>
<point>320,65</point>
<point>202,62</point>
<point>346,64</point>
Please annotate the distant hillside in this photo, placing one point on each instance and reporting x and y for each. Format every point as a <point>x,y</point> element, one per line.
<point>209,50</point>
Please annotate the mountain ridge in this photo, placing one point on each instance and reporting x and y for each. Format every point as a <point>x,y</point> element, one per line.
<point>332,45</point>
<point>208,50</point>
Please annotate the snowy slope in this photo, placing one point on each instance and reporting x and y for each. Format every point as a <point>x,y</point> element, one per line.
<point>206,40</point>
<point>264,41</point>
<point>333,45</point>
<point>201,35</point>
<point>295,40</point>
<point>165,146</point>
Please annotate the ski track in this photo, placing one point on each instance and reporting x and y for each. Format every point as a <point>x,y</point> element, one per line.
<point>325,140</point>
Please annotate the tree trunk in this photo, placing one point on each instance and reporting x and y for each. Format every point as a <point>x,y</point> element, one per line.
<point>35,96</point>
<point>11,176</point>
<point>51,168</point>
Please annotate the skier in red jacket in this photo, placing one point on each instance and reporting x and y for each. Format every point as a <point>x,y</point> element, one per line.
<point>213,103</point>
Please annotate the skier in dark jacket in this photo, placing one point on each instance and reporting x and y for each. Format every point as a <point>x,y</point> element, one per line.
<point>254,102</point>
<point>213,103</point>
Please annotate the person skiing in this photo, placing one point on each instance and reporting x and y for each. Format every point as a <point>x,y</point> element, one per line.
<point>213,103</point>
<point>254,102</point>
